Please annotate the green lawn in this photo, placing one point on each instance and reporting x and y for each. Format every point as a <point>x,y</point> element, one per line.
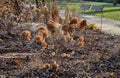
<point>109,11</point>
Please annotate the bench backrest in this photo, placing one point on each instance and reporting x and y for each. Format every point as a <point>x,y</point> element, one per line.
<point>85,7</point>
<point>97,8</point>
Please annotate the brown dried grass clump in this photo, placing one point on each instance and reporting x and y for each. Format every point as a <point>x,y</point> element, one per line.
<point>51,25</point>
<point>56,14</point>
<point>26,35</point>
<point>43,45</point>
<point>43,33</point>
<point>21,17</point>
<point>81,41</point>
<point>55,65</point>
<point>67,36</point>
<point>29,16</point>
<point>81,38</point>
<point>42,29</point>
<point>68,15</point>
<point>78,22</point>
<point>46,34</point>
<point>4,8</point>
<point>71,29</point>
<point>65,28</point>
<point>83,25</point>
<point>74,21</point>
<point>39,38</point>
<point>68,28</point>
<point>46,13</point>
<point>94,27</point>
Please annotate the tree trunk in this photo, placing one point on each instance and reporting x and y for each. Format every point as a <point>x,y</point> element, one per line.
<point>114,2</point>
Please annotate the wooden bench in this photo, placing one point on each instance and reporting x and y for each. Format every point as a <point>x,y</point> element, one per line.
<point>85,7</point>
<point>97,8</point>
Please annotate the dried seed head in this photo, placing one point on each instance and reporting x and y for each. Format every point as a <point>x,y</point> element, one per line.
<point>42,29</point>
<point>43,45</point>
<point>4,8</point>
<point>53,53</point>
<point>56,14</point>
<point>46,34</point>
<point>81,44</point>
<point>55,65</point>
<point>68,55</point>
<point>46,66</point>
<point>26,35</point>
<point>67,36</point>
<point>74,21</point>
<point>39,38</point>
<point>51,25</point>
<point>83,24</point>
<point>72,28</point>
<point>81,41</point>
<point>81,38</point>
<point>43,32</point>
<point>64,55</point>
<point>65,28</point>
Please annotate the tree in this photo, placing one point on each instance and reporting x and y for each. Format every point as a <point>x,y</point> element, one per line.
<point>115,2</point>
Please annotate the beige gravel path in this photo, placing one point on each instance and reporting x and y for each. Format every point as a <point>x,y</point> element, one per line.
<point>108,25</point>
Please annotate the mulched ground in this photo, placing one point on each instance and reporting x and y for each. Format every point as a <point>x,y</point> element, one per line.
<point>98,59</point>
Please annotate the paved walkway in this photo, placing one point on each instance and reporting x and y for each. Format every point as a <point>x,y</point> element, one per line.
<point>108,25</point>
